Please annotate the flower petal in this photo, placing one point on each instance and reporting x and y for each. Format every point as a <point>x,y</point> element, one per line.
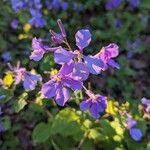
<point>62,56</point>
<point>62,96</point>
<point>94,64</point>
<point>49,89</point>
<point>145,101</point>
<point>38,50</point>
<point>80,71</point>
<point>94,110</point>
<point>83,38</point>
<point>35,77</point>
<point>71,83</point>
<point>131,123</point>
<point>29,84</point>
<point>67,68</point>
<point>84,105</point>
<point>113,49</point>
<point>136,134</point>
<point>113,64</point>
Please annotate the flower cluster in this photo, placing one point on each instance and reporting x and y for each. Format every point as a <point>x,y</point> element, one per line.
<point>113,4</point>
<point>34,7</point>
<point>75,67</point>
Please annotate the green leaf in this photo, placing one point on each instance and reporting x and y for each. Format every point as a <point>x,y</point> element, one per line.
<point>20,103</point>
<point>41,133</point>
<point>6,122</point>
<point>94,134</point>
<point>47,63</point>
<point>67,123</point>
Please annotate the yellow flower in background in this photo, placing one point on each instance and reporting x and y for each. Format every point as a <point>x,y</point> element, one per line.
<point>23,36</point>
<point>27,27</point>
<point>8,79</point>
<point>45,12</point>
<point>111,109</point>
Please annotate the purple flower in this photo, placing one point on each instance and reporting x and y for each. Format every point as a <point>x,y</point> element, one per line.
<point>96,104</point>
<point>131,123</point>
<point>59,86</point>
<point>135,133</point>
<point>64,5</point>
<point>56,4</point>
<point>146,103</point>
<point>14,24</point>
<point>89,63</point>
<point>37,22</point>
<point>93,64</point>
<point>17,5</point>
<point>118,23</point>
<point>29,80</point>
<point>112,4</point>
<point>134,3</point>
<point>58,38</point>
<point>6,56</point>
<point>107,53</point>
<point>39,49</point>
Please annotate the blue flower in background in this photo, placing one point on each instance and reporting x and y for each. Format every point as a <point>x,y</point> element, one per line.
<point>6,56</point>
<point>18,4</point>
<point>14,24</point>
<point>118,23</point>
<point>133,46</point>
<point>135,132</point>
<point>64,6</point>
<point>134,3</point>
<point>37,19</point>
<point>57,4</point>
<point>112,4</point>
<point>34,7</point>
